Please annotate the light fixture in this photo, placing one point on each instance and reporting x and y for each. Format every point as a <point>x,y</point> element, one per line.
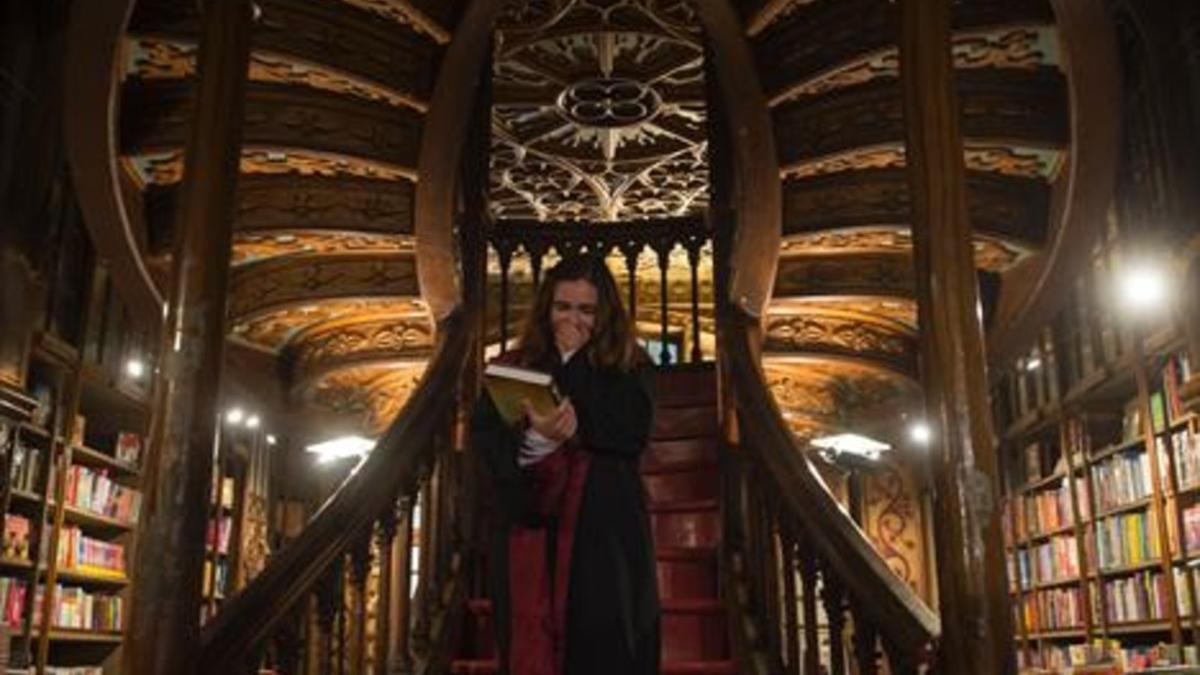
<point>252,422</point>
<point>1033,364</point>
<point>338,448</point>
<point>852,444</point>
<point>135,368</point>
<point>920,433</point>
<point>1143,288</point>
<point>271,440</point>
<point>235,416</point>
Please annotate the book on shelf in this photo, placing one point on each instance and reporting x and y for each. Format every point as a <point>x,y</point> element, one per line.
<point>74,608</point>
<point>128,447</point>
<point>16,537</point>
<point>1158,412</point>
<point>92,490</point>
<point>79,552</point>
<point>1131,420</point>
<point>12,595</point>
<point>1033,461</point>
<point>510,386</point>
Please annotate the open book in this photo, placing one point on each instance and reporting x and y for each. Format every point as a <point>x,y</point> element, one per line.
<point>510,385</point>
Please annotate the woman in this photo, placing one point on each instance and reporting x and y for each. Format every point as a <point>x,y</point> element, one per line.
<point>572,562</point>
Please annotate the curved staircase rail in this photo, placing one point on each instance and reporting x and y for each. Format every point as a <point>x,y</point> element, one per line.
<point>808,520</point>
<point>393,471</point>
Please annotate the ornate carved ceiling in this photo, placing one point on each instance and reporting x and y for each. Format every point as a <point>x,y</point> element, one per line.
<point>598,111</point>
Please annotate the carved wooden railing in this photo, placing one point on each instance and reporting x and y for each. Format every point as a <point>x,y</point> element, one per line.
<point>413,458</point>
<point>782,523</point>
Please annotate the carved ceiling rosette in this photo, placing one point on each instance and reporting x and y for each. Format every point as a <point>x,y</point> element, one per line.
<point>879,341</point>
<point>359,339</point>
<point>598,112</point>
<point>304,279</point>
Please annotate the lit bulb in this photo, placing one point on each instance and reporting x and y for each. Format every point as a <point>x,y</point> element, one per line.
<point>252,422</point>
<point>1033,364</point>
<point>235,415</point>
<point>271,440</point>
<point>1143,288</point>
<point>135,368</point>
<point>920,433</point>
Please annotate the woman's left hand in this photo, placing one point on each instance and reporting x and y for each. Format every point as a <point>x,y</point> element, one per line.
<point>557,425</point>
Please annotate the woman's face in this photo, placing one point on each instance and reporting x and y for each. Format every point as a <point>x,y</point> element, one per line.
<point>573,314</point>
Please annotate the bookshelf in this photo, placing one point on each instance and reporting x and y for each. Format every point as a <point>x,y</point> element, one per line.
<point>1101,479</point>
<point>72,449</point>
<point>222,545</point>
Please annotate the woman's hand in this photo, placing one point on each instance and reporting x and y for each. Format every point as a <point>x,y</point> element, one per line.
<point>557,425</point>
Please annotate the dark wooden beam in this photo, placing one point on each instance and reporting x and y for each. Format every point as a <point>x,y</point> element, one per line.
<point>296,202</point>
<point>998,107</point>
<point>976,615</point>
<point>306,279</point>
<point>165,628</point>
<point>812,37</point>
<point>155,115</point>
<point>391,54</point>
<point>1006,207</point>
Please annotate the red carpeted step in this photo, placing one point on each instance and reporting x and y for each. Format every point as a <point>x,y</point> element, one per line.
<point>686,523</point>
<point>693,630</point>
<point>686,572</point>
<point>680,454</point>
<point>685,484</point>
<point>474,667</point>
<point>689,386</point>
<point>687,422</point>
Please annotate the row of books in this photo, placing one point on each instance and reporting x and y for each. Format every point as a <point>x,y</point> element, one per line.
<point>16,537</point>
<point>1176,371</point>
<point>1185,453</point>
<point>74,670</point>
<point>216,578</point>
<point>1053,609</point>
<point>92,490</point>
<point>79,552</point>
<point>1141,597</point>
<point>1121,479</point>
<point>26,467</point>
<point>1054,560</point>
<point>1121,659</point>
<point>76,609</point>
<point>1045,511</point>
<point>1127,539</point>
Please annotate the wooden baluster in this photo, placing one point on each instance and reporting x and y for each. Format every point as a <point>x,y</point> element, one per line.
<point>791,626</point>
<point>328,608</point>
<point>360,567</point>
<point>537,250</point>
<point>835,614</point>
<point>865,652</point>
<point>399,659</point>
<point>812,641</point>
<point>504,252</point>
<point>632,250</point>
<point>901,658</point>
<point>663,249</point>
<point>385,535</point>
<point>694,244</point>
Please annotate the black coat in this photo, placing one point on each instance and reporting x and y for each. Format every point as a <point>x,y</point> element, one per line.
<point>612,607</point>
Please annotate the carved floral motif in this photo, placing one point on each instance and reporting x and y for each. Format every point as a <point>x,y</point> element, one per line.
<point>167,168</point>
<point>376,337</point>
<point>991,253</point>
<point>250,247</point>
<point>892,519</point>
<point>1007,161</point>
<point>301,279</point>
<point>276,328</point>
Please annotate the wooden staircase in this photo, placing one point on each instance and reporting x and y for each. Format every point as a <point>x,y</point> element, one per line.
<point>682,480</point>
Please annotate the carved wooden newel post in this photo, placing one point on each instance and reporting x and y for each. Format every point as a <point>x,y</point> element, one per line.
<point>165,624</point>
<point>975,608</point>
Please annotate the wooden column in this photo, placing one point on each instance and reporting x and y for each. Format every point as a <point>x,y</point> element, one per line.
<point>693,254</point>
<point>385,535</point>
<point>400,603</point>
<point>976,620</point>
<point>166,602</point>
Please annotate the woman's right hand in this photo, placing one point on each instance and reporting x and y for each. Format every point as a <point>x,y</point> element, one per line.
<point>557,425</point>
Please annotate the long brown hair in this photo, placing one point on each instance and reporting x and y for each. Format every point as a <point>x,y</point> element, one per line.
<point>613,343</point>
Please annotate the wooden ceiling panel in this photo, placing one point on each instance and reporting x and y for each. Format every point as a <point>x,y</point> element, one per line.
<point>156,115</point>
<point>820,394</point>
<point>335,34</point>
<point>842,335</point>
<point>998,107</point>
<point>863,274</point>
<point>289,201</point>
<point>1004,207</point>
<point>802,43</point>
<point>991,254</point>
<point>357,340</point>
<point>311,279</point>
